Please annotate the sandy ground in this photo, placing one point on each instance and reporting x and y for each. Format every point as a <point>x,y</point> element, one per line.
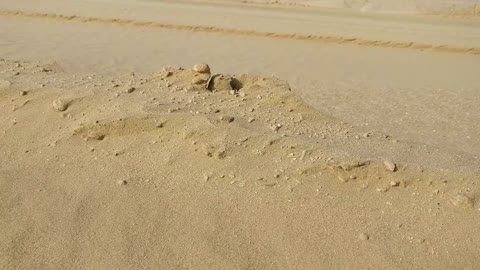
<point>366,158</point>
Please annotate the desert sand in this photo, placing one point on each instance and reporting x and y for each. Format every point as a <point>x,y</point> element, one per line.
<point>226,135</point>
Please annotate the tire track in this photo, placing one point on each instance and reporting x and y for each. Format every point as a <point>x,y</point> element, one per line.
<point>249,33</point>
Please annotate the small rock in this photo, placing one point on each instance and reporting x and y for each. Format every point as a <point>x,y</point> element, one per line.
<point>419,241</point>
<point>276,127</point>
<point>250,120</point>
<point>23,93</point>
<point>122,182</point>
<point>394,183</point>
<point>220,154</point>
<point>389,165</point>
<point>201,68</point>
<point>461,200</point>
<point>130,90</point>
<point>221,83</point>
<point>60,105</point>
<point>382,189</point>
<point>363,237</point>
<point>227,119</point>
<point>94,136</point>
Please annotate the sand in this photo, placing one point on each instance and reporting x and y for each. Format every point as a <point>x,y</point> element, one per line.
<point>111,158</point>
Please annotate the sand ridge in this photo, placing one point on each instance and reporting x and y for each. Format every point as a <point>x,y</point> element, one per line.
<point>208,29</point>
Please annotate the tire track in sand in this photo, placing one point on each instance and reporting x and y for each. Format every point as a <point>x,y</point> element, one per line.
<point>250,33</point>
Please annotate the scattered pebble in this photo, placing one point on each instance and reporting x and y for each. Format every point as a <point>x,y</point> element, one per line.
<point>60,105</point>
<point>130,90</point>
<point>201,68</point>
<point>94,136</point>
<point>382,189</point>
<point>389,165</point>
<point>276,127</point>
<point>122,183</point>
<point>363,237</point>
<point>227,119</point>
<point>419,241</point>
<point>160,125</point>
<point>394,183</point>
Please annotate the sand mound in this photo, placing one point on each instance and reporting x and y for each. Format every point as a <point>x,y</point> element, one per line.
<point>162,171</point>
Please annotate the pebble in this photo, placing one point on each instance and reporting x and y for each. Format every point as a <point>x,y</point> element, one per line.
<point>276,127</point>
<point>23,93</point>
<point>461,200</point>
<point>160,125</point>
<point>60,105</point>
<point>394,183</point>
<point>201,68</point>
<point>389,165</point>
<point>95,136</point>
<point>250,120</point>
<point>363,237</point>
<point>382,189</point>
<point>122,182</point>
<point>227,119</point>
<point>130,90</point>
<point>419,241</point>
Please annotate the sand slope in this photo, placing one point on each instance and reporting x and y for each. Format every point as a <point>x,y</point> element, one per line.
<point>148,171</point>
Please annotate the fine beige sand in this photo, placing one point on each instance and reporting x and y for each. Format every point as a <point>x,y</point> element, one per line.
<point>315,139</point>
